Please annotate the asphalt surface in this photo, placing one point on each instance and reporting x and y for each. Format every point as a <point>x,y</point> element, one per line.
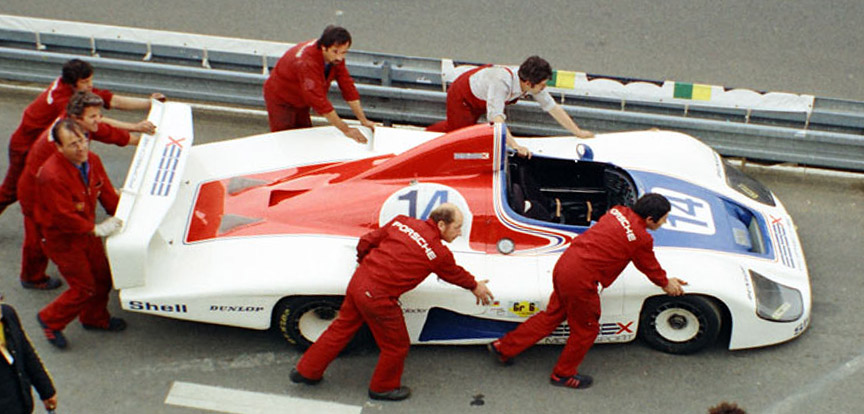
<point>803,46</point>
<point>799,46</point>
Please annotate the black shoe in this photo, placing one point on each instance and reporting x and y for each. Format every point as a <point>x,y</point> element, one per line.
<point>577,381</point>
<point>500,358</point>
<point>298,378</point>
<point>54,337</point>
<point>114,325</point>
<point>398,394</point>
<point>48,284</point>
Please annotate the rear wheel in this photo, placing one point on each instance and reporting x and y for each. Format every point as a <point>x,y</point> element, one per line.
<point>302,320</point>
<point>680,325</point>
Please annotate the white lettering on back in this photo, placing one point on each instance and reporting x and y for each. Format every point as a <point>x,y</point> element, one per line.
<point>413,235</point>
<point>624,223</point>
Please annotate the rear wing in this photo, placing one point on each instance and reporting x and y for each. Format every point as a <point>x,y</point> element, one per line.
<point>149,191</point>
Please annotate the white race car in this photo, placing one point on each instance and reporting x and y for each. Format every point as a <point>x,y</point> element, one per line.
<point>260,232</point>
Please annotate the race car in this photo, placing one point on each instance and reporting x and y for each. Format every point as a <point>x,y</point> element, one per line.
<point>261,232</point>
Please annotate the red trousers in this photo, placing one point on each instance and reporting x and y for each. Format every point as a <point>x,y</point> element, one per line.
<point>82,263</point>
<point>34,262</point>
<point>283,116</point>
<point>384,317</point>
<point>463,108</point>
<point>9,189</point>
<point>573,302</point>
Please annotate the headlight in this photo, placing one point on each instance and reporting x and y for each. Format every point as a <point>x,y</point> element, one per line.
<point>775,302</point>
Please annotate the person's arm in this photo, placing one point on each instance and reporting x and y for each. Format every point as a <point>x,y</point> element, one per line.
<point>144,126</point>
<point>482,293</point>
<point>360,115</point>
<point>130,103</point>
<point>108,196</point>
<point>565,121</point>
<point>108,134</point>
<point>511,142</point>
<point>371,240</point>
<point>645,260</point>
<point>353,133</point>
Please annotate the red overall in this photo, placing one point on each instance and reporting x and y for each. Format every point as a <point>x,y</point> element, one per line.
<point>393,260</point>
<point>597,257</point>
<point>37,117</point>
<point>298,82</point>
<point>34,261</point>
<point>66,212</point>
<point>463,108</point>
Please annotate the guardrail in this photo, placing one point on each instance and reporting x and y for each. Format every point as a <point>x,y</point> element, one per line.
<point>402,89</point>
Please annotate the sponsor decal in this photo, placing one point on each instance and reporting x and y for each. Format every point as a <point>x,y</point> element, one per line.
<point>239,308</point>
<point>414,310</point>
<point>470,155</point>
<point>157,307</point>
<point>524,309</point>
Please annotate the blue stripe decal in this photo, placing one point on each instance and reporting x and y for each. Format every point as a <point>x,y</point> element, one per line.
<point>166,171</point>
<point>443,325</point>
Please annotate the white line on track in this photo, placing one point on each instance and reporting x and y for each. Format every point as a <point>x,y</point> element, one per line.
<point>227,400</point>
<point>793,402</point>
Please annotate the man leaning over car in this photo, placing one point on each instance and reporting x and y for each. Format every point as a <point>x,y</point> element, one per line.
<point>393,260</point>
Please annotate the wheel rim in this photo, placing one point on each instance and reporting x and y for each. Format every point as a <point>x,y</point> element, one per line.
<point>315,321</point>
<point>677,325</point>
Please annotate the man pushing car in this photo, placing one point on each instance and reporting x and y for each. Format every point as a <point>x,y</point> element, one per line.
<point>593,260</point>
<point>393,260</point>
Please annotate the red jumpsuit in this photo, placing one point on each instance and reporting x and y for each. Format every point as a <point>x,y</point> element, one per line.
<point>33,258</point>
<point>298,82</point>
<point>393,260</point>
<point>595,258</point>
<point>37,117</point>
<point>66,212</point>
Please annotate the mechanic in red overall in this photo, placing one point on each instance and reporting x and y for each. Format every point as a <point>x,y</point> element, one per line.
<point>70,183</point>
<point>77,75</point>
<point>86,109</point>
<point>595,258</point>
<point>488,89</point>
<point>393,260</point>
<point>301,79</point>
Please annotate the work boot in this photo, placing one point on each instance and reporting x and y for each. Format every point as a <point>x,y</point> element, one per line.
<point>48,283</point>
<point>298,378</point>
<point>398,394</point>
<point>53,336</point>
<point>499,357</point>
<point>577,381</point>
<point>114,325</point>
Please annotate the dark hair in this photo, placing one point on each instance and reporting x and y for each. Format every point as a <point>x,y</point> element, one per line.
<point>75,70</point>
<point>535,70</point>
<point>444,212</point>
<point>334,35</point>
<point>653,206</point>
<point>67,124</point>
<point>82,100</point>
<point>726,408</point>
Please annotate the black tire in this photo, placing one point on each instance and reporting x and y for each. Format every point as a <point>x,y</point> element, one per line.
<point>301,320</point>
<point>680,325</point>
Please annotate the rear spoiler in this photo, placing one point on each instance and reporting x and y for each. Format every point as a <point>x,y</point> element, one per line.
<point>149,191</point>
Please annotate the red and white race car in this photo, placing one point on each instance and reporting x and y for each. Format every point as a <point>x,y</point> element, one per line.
<point>261,231</point>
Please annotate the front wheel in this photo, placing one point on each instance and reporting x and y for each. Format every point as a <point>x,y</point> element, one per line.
<point>301,320</point>
<point>679,325</point>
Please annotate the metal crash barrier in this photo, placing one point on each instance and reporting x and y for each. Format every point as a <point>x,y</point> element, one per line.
<point>771,126</point>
